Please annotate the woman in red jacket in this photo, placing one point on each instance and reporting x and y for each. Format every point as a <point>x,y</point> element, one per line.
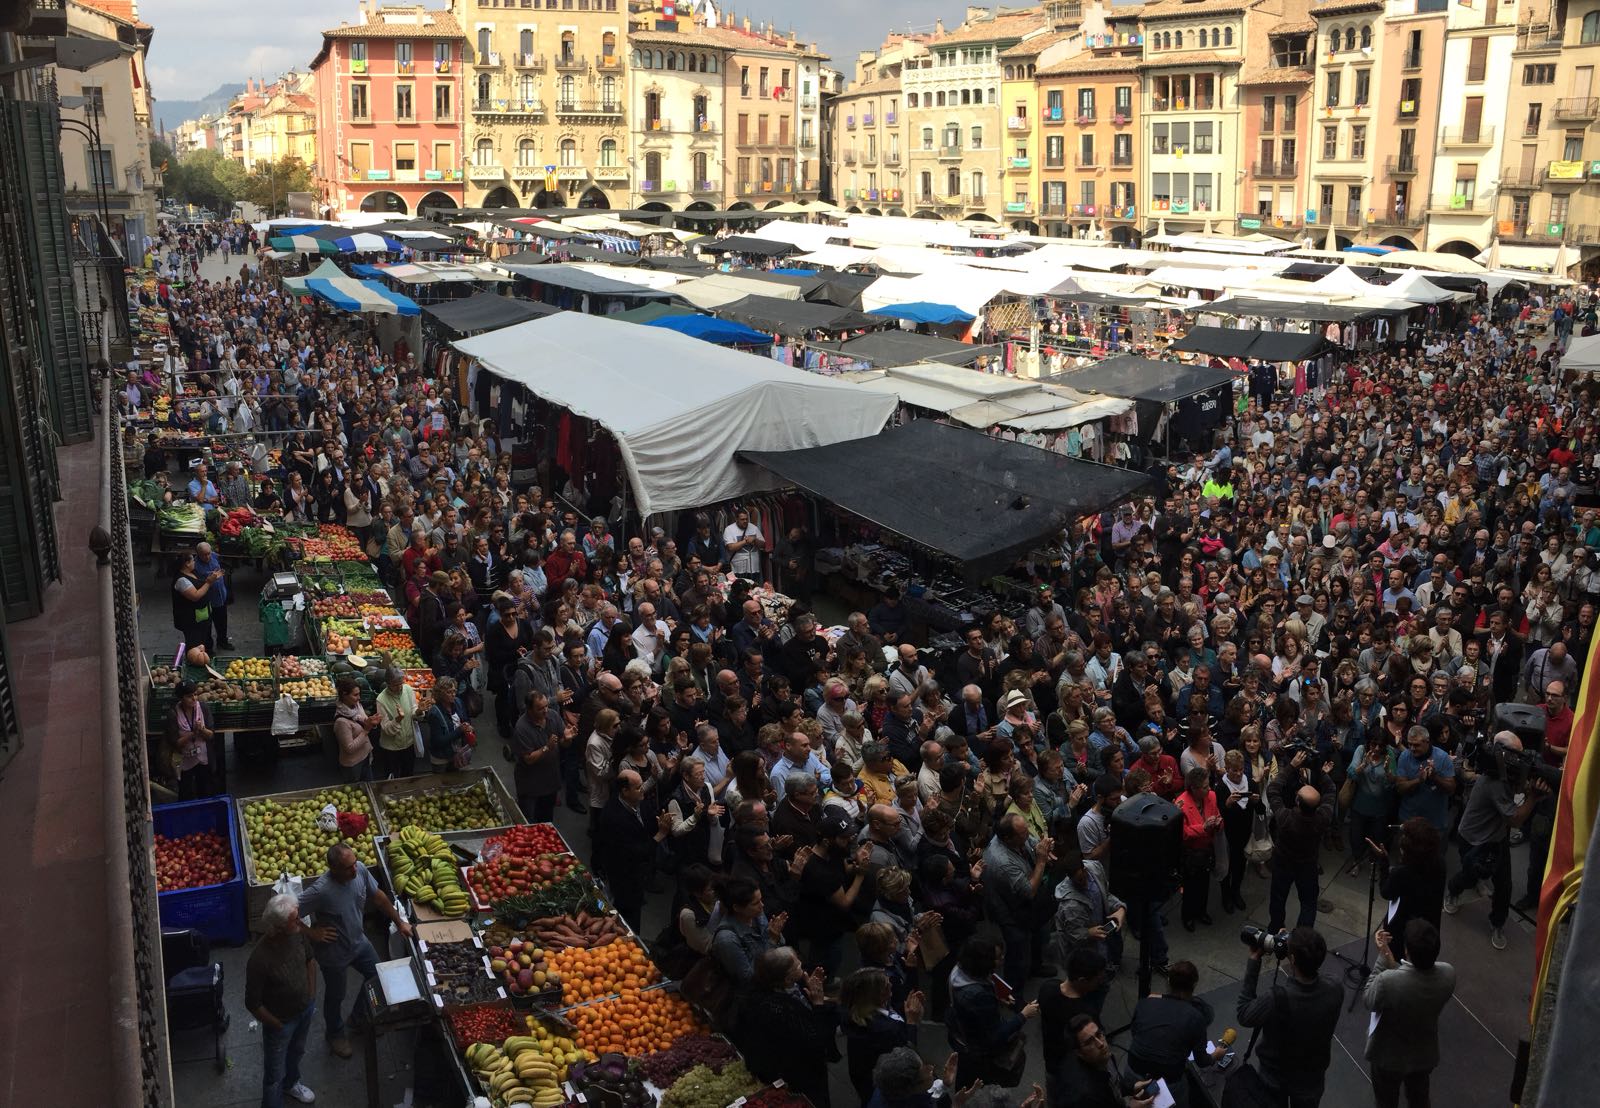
<point>1201,820</point>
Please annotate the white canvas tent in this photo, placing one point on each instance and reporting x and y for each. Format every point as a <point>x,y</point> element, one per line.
<point>1418,289</point>
<point>716,289</point>
<point>681,409</point>
<point>1583,355</point>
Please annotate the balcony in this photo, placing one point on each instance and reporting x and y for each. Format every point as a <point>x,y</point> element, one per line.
<point>1119,213</point>
<point>1408,109</point>
<point>808,102</point>
<point>1019,207</point>
<point>892,158</point>
<point>954,200</point>
<point>1159,103</point>
<point>1274,171</point>
<point>1402,165</point>
<point>1527,179</point>
<point>653,188</point>
<point>869,158</point>
<point>1021,163</point>
<point>1536,233</point>
<point>533,63</point>
<point>850,123</point>
<point>441,65</point>
<point>949,153</point>
<point>1404,217</point>
<point>527,173</point>
<point>571,64</point>
<point>1121,119</point>
<point>610,173</point>
<point>705,127</point>
<point>1053,209</point>
<point>571,172</point>
<point>890,119</point>
<point>979,201</point>
<point>358,65</point>
<point>1578,107</point>
<point>1462,205</point>
<point>869,120</point>
<point>703,188</point>
<point>1469,136</point>
<point>489,59</point>
<point>1411,60</point>
<point>608,63</point>
<point>1539,37</point>
<point>507,107</point>
<point>405,69</point>
<point>490,171</point>
<point>809,142</point>
<point>850,157</point>
<point>1564,174</point>
<point>1053,116</point>
<point>1090,160</point>
<point>1085,209</point>
<point>1084,118</point>
<point>1018,123</point>
<point>611,108</point>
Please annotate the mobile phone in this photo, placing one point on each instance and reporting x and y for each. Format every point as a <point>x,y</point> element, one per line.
<point>1002,990</point>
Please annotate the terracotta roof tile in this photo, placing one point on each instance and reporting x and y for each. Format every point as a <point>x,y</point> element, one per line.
<point>1190,57</point>
<point>1092,63</point>
<point>870,88</point>
<point>1010,25</point>
<point>125,10</point>
<point>1275,75</point>
<point>1293,27</point>
<point>1181,9</point>
<point>1031,48</point>
<point>725,37</point>
<point>1339,7</point>
<point>436,24</point>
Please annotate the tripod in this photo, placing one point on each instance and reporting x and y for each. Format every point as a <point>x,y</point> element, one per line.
<point>1356,973</point>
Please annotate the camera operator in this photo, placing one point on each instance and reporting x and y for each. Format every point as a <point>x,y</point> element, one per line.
<point>1296,1020</point>
<point>1504,796</point>
<point>1304,795</point>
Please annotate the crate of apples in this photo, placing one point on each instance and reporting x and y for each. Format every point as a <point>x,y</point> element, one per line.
<point>527,840</point>
<point>311,688</point>
<point>192,861</point>
<point>522,968</point>
<point>334,606</point>
<point>248,669</point>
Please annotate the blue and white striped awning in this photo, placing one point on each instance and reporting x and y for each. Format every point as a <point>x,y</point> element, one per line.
<point>350,295</point>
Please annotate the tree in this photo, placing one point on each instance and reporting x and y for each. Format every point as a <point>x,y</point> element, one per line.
<point>270,184</point>
<point>207,179</point>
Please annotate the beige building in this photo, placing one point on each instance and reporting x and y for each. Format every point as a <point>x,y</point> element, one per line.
<point>546,117</point>
<point>284,125</point>
<point>773,118</point>
<point>1550,180</point>
<point>957,153</point>
<point>868,131</point>
<point>676,110</point>
<point>112,101</point>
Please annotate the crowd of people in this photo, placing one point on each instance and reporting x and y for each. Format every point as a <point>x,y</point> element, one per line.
<point>1302,640</point>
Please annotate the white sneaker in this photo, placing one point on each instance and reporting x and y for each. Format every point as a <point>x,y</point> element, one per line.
<point>306,1096</point>
<point>1497,938</point>
<point>1452,904</point>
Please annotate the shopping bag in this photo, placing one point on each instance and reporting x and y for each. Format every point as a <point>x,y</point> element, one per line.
<point>1259,848</point>
<point>328,819</point>
<point>285,715</point>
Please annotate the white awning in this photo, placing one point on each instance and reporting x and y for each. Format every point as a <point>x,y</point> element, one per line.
<point>680,409</point>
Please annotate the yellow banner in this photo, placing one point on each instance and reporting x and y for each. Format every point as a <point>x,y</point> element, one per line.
<point>1566,171</point>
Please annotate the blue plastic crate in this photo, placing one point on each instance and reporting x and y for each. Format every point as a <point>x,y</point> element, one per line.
<point>218,911</point>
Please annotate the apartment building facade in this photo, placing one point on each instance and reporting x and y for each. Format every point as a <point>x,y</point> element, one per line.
<point>1191,129</point>
<point>773,141</point>
<point>955,117</point>
<point>867,131</point>
<point>1549,192</point>
<point>545,103</point>
<point>677,110</point>
<point>1019,157</point>
<point>388,91</point>
<point>1470,148</point>
<point>1274,101</point>
<point>1088,112</point>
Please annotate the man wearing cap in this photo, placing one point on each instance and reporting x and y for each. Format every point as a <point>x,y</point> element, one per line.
<point>1305,610</point>
<point>830,884</point>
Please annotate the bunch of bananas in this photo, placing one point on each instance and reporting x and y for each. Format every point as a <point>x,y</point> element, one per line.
<point>424,871</point>
<point>516,1074</point>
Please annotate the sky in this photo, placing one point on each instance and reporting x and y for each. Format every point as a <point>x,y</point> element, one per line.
<point>198,47</point>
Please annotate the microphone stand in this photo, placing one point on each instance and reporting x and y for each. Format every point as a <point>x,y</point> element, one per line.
<point>1356,973</point>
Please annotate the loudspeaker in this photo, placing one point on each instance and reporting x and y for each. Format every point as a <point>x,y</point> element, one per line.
<point>1146,847</point>
<point>1526,721</point>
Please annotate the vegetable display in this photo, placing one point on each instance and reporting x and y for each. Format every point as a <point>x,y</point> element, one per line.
<point>563,897</point>
<point>513,874</point>
<point>483,1023</point>
<point>772,1097</point>
<point>182,518</point>
<point>704,1088</point>
<point>611,1079</point>
<point>635,1023</point>
<point>582,930</point>
<point>443,809</point>
<point>459,974</point>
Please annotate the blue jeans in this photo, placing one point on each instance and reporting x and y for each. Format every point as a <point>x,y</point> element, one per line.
<point>280,1057</point>
<point>336,979</point>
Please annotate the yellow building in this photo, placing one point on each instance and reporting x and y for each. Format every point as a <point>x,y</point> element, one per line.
<point>868,132</point>
<point>285,123</point>
<point>546,90</point>
<point>1019,160</point>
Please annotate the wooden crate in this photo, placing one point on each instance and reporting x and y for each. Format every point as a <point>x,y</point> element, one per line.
<point>488,777</point>
<point>259,887</point>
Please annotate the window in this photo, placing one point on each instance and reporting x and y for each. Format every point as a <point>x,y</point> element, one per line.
<point>652,169</point>
<point>1558,209</point>
<point>1330,142</point>
<point>608,92</point>
<point>405,157</point>
<point>927,138</point>
<point>1291,103</point>
<point>1590,31</point>
<point>1159,138</point>
<point>1123,100</point>
<point>1055,148</point>
<point>977,184</point>
<point>569,152</point>
<point>766,83</point>
<point>1086,154</point>
<point>1478,59</point>
<point>361,159</point>
<point>977,138</point>
<point>1545,73</point>
<point>94,98</point>
<point>1161,189</point>
<point>702,164</point>
<point>1086,193</point>
<point>483,153</point>
<point>1352,204</point>
<point>1466,186</point>
<point>402,59</point>
<point>1332,99</point>
<point>1269,110</point>
<point>952,182</point>
<point>1204,38</point>
<point>569,90</point>
<point>1122,149</point>
<point>1349,38</point>
<point>358,54</point>
<point>1202,192</point>
<point>1180,189</point>
<point>1358,141</point>
<point>911,99</point>
<point>569,48</point>
<point>404,109</point>
<point>359,105</point>
<point>1227,36</point>
<point>925,185</point>
<point>744,81</point>
<point>1364,84</point>
<point>483,88</point>
<point>1086,103</point>
<point>1366,37</point>
<point>527,153</point>
<point>1180,138</point>
<point>1054,104</point>
<point>1572,147</point>
<point>443,109</point>
<point>525,43</point>
<point>444,155</point>
<point>608,152</point>
<point>484,42</point>
<point>1203,138</point>
<point>1535,116</point>
<point>102,169</point>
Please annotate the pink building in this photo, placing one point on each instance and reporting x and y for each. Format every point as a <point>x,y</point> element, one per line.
<point>388,93</point>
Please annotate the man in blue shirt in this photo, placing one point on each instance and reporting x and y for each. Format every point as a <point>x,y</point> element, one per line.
<point>206,563</point>
<point>1425,778</point>
<point>201,490</point>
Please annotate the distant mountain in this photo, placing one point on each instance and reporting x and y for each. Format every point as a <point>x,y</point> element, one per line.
<point>170,113</point>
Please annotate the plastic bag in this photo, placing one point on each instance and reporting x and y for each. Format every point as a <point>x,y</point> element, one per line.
<point>328,818</point>
<point>1259,848</point>
<point>285,715</point>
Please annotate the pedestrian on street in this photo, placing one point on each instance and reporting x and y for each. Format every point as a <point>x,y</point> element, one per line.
<point>280,990</point>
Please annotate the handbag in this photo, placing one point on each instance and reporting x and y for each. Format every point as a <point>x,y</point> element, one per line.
<point>1246,1088</point>
<point>1259,848</point>
<point>708,986</point>
<point>1347,793</point>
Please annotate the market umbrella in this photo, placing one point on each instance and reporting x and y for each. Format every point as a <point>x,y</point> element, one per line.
<point>1494,254</point>
<point>1332,243</point>
<point>1559,267</point>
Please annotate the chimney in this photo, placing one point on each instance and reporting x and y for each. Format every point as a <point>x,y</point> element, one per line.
<point>938,26</point>
<point>747,24</point>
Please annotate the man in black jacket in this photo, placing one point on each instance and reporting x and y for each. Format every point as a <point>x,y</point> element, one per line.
<point>1296,1020</point>
<point>1089,1077</point>
<point>627,838</point>
<point>1305,812</point>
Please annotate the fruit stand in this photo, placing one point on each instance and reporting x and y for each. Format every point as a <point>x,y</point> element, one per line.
<point>279,834</point>
<point>199,871</point>
<point>472,799</point>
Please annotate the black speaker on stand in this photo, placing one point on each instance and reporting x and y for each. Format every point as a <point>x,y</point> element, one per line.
<point>1146,848</point>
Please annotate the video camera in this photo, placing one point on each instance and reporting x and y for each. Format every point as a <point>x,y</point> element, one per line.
<point>1515,767</point>
<point>1267,942</point>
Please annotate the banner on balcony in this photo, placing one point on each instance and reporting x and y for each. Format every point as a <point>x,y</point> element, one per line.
<point>1566,171</point>
<point>1250,224</point>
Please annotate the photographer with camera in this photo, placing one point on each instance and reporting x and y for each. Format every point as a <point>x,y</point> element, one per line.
<point>1295,1020</point>
<point>1510,786</point>
<point>1304,794</point>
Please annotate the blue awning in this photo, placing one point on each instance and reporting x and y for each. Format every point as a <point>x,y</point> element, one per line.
<point>921,311</point>
<point>723,332</point>
<point>350,295</point>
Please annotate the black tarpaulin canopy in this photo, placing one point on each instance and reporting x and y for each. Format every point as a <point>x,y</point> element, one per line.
<point>1265,346</point>
<point>794,318</point>
<point>1143,379</point>
<point>1287,309</point>
<point>485,311</point>
<point>843,289</point>
<point>979,500</point>
<point>895,347</point>
<point>671,263</point>
<point>747,244</point>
